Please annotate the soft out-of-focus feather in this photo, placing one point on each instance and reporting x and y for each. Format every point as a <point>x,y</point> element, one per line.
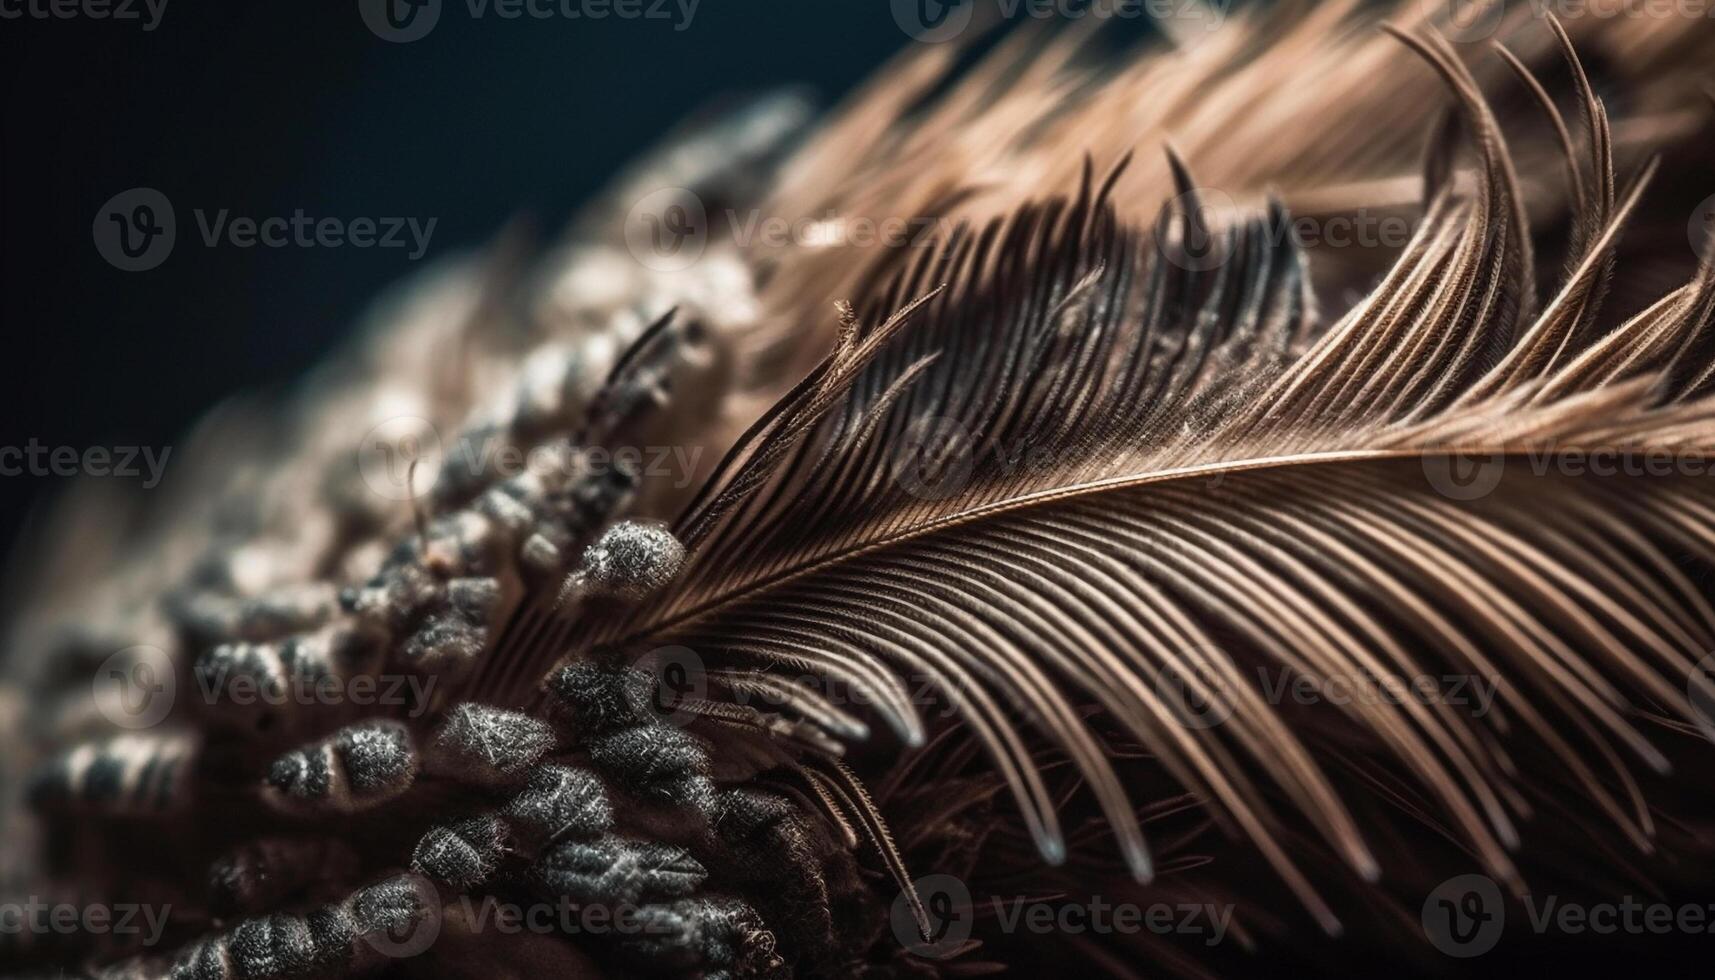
<point>1307,102</point>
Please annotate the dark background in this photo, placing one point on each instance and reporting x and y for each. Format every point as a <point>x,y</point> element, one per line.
<point>264,108</point>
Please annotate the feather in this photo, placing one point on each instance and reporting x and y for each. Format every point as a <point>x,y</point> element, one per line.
<point>1129,472</point>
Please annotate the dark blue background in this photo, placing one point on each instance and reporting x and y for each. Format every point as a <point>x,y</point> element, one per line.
<point>264,108</point>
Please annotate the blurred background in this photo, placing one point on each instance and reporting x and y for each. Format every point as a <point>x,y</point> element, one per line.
<point>268,109</point>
